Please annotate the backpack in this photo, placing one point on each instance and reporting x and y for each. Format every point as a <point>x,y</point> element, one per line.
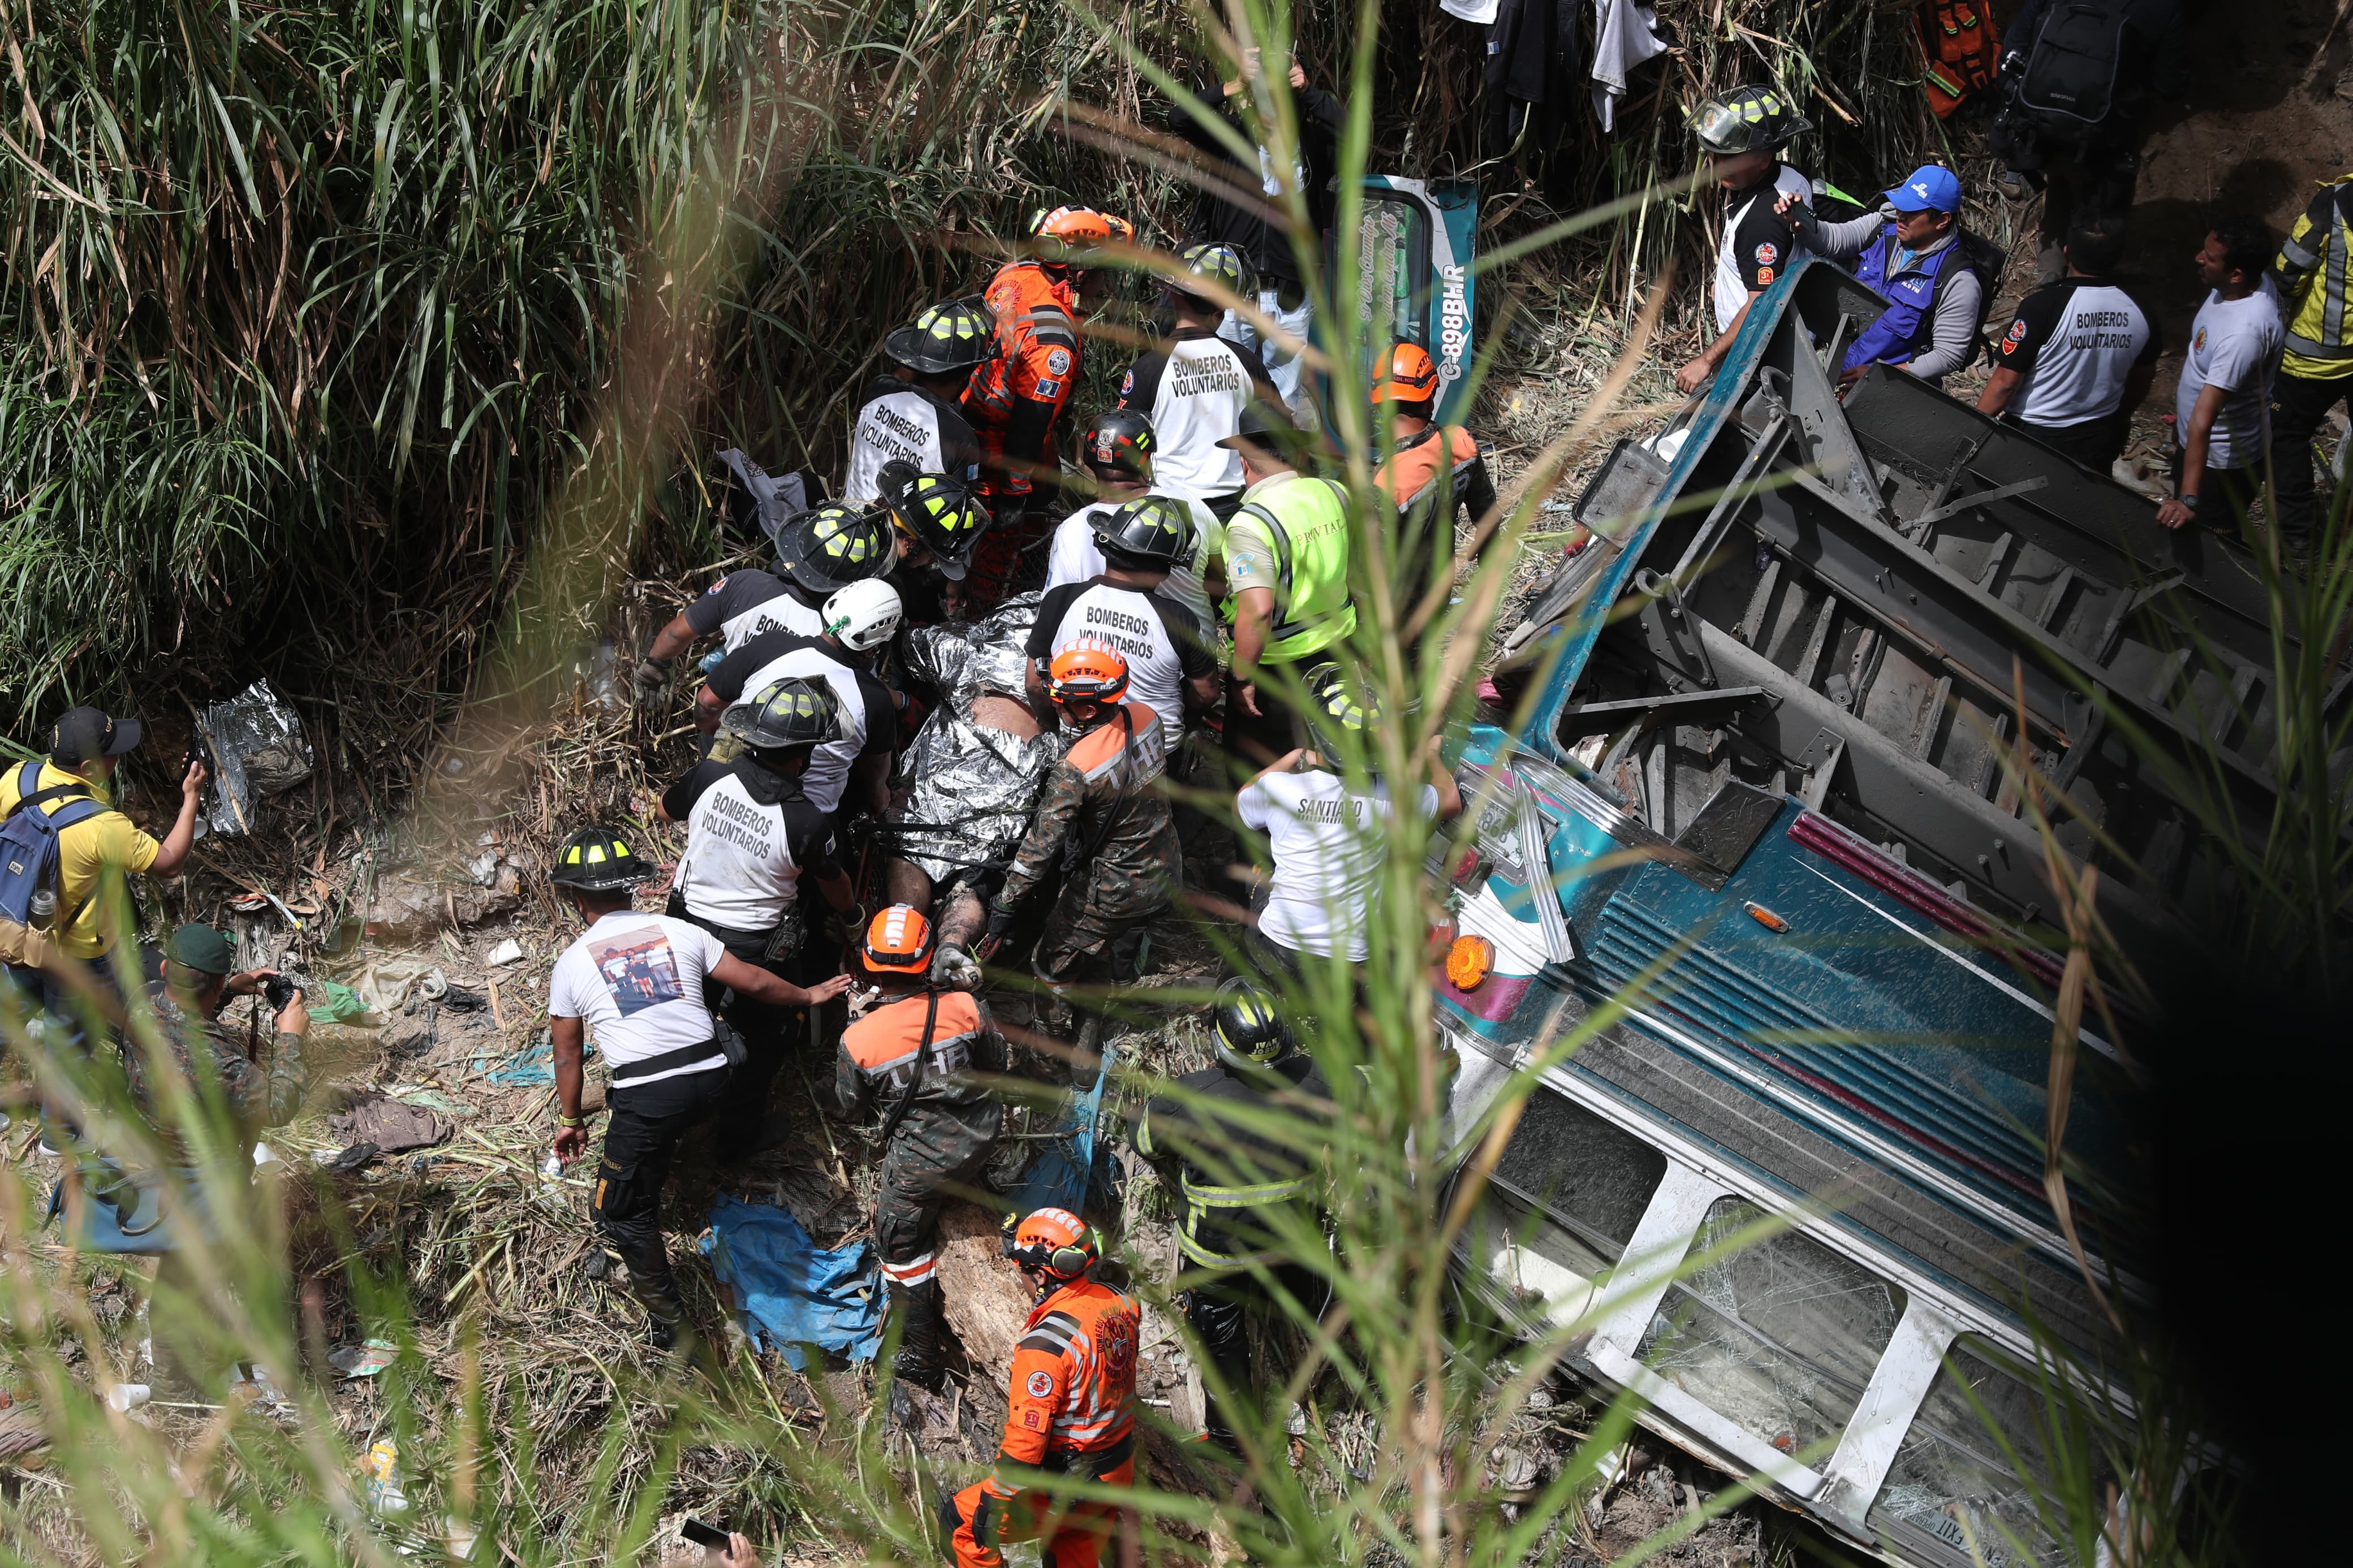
<point>28,849</point>
<point>1987,260</point>
<point>2070,87</point>
<point>1957,41</point>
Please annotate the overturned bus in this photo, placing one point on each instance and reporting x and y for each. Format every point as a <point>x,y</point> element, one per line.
<point>1763,845</point>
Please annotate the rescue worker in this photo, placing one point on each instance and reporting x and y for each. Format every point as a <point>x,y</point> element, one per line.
<point>2313,276</point>
<point>1244,202</point>
<point>1194,386</point>
<point>1233,1173</point>
<point>2078,356</point>
<point>1102,834</point>
<point>1287,580</point>
<point>752,836</point>
<point>936,521</point>
<point>859,620</point>
<point>913,417</point>
<point>1118,451</point>
<point>819,553</point>
<point>637,981</point>
<point>912,1057</point>
<point>1742,133</point>
<point>1070,1410</point>
<point>1327,837</point>
<point>96,844</point>
<point>1171,669</point>
<point>1432,471</point>
<point>1015,399</point>
<point>1937,277</point>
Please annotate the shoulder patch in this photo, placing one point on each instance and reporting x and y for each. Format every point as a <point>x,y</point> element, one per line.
<point>1127,384</point>
<point>1767,255</point>
<point>1764,275</point>
<point>715,586</point>
<point>1040,1385</point>
<point>1057,362</point>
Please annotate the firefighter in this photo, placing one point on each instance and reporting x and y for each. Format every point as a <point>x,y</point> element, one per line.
<point>1742,133</point>
<point>1195,384</point>
<point>819,553</point>
<point>1015,399</point>
<point>1172,662</point>
<point>936,521</point>
<point>636,981</point>
<point>858,621</point>
<point>1117,451</point>
<point>1287,571</point>
<point>1233,1173</point>
<point>1103,832</point>
<point>2312,273</point>
<point>911,1056</point>
<point>912,418</point>
<point>1071,1409</point>
<point>752,836</point>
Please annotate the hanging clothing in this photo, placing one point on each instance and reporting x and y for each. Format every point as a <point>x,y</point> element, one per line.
<point>1625,34</point>
<point>1534,53</point>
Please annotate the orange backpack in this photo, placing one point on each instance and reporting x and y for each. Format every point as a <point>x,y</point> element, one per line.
<point>1960,49</point>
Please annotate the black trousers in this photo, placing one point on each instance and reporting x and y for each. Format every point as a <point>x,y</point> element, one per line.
<point>2096,443</point>
<point>640,1140</point>
<point>1220,1313</point>
<point>2299,405</point>
<point>1254,739</point>
<point>766,1031</point>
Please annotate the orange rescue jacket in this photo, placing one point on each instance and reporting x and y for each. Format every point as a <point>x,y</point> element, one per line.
<point>1073,1387</point>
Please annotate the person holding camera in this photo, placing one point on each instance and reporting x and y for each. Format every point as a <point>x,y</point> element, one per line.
<point>187,991</point>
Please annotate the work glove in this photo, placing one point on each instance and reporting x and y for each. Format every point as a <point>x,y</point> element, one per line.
<point>1001,921</point>
<point>652,677</point>
<point>987,1519</point>
<point>845,925</point>
<point>953,969</point>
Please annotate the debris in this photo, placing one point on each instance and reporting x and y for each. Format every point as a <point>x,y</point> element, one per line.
<point>391,1126</point>
<point>364,1359</point>
<point>340,1004</point>
<point>129,1395</point>
<point>411,902</point>
<point>254,745</point>
<point>985,1301</point>
<point>348,1160</point>
<point>507,952</point>
<point>533,1065</point>
<point>381,1468</point>
<point>789,1291</point>
<point>456,1000</point>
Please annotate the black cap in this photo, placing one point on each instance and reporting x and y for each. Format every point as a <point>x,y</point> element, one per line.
<point>1268,430</point>
<point>85,733</point>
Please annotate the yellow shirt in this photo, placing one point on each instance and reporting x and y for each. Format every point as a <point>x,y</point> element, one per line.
<point>84,850</point>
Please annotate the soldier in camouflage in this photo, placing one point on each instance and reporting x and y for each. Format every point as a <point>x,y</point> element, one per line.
<point>187,996</point>
<point>1102,828</point>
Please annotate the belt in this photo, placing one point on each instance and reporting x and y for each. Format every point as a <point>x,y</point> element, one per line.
<point>627,1073</point>
<point>1090,1466</point>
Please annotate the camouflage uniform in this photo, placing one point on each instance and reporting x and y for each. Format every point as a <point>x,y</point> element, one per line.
<point>257,1097</point>
<point>924,1046</point>
<point>1105,829</point>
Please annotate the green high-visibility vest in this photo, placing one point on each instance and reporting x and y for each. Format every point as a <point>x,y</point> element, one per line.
<point>1306,523</point>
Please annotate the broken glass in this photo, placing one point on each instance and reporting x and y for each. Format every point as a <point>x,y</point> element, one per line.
<point>1951,1469</point>
<point>1779,1337</point>
<point>1571,1187</point>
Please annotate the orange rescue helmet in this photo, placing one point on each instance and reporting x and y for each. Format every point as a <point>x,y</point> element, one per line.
<point>1052,1241</point>
<point>898,942</point>
<point>1088,671</point>
<point>1411,377</point>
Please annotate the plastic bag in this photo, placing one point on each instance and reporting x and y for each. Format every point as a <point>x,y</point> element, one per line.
<point>254,746</point>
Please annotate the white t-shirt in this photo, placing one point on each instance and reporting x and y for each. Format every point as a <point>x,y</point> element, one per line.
<point>744,860</point>
<point>1327,843</point>
<point>1195,393</point>
<point>2234,343</point>
<point>1163,644</point>
<point>636,980</point>
<point>1073,558</point>
<point>867,711</point>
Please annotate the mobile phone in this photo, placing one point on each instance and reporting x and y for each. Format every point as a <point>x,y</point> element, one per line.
<point>702,1534</point>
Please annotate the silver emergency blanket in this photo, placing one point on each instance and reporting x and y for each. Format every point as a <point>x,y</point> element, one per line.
<point>253,744</point>
<point>972,788</point>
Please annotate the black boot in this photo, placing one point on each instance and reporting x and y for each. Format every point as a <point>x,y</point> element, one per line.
<point>918,1311</point>
<point>666,1323</point>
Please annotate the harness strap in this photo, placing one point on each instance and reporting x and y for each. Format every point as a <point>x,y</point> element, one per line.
<point>627,1073</point>
<point>923,1052</point>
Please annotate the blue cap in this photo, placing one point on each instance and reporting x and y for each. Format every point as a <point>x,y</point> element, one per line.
<point>1929,188</point>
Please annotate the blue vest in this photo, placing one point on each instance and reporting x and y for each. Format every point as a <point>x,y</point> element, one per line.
<point>1910,319</point>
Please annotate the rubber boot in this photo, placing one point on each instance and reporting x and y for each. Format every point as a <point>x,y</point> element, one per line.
<point>917,1308</point>
<point>665,1314</point>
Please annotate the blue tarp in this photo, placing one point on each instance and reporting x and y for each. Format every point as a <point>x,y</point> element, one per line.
<point>1063,1173</point>
<point>787,1291</point>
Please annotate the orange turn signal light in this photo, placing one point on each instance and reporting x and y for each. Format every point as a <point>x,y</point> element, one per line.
<point>1469,961</point>
<point>1766,917</point>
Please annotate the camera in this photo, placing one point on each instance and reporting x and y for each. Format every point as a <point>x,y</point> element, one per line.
<point>279,991</point>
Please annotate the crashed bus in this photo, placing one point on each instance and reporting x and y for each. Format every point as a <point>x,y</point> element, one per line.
<point>1758,839</point>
